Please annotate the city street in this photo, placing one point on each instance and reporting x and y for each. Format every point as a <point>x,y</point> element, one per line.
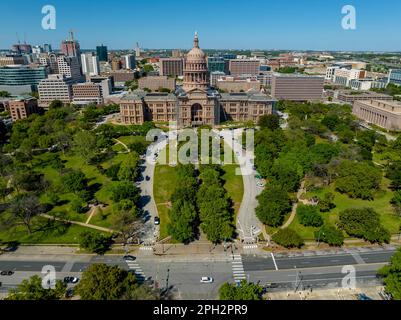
<point>318,269</point>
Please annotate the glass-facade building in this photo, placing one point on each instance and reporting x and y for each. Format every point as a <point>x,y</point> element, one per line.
<point>216,64</point>
<point>101,52</point>
<point>395,76</point>
<point>21,75</point>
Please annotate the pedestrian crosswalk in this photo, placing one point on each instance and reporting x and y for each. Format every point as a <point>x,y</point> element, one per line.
<point>136,268</point>
<point>146,248</point>
<point>250,246</point>
<point>238,268</point>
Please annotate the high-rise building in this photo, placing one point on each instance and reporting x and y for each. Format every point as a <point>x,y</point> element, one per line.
<point>47,48</point>
<point>55,87</point>
<point>71,47</point>
<point>36,50</point>
<point>137,50</point>
<point>394,76</point>
<point>22,107</point>
<point>116,64</point>
<point>244,67</point>
<point>129,62</point>
<point>171,66</point>
<point>69,67</point>
<point>297,87</point>
<point>101,52</point>
<point>86,93</point>
<point>156,82</point>
<point>90,64</point>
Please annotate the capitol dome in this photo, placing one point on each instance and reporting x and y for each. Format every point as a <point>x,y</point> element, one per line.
<point>195,71</point>
<point>196,53</point>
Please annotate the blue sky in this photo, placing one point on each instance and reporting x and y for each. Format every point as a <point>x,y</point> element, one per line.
<point>230,24</point>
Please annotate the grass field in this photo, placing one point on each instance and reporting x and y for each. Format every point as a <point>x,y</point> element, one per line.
<point>381,204</point>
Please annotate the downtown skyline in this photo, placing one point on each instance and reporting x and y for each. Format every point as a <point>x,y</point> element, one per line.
<point>312,25</point>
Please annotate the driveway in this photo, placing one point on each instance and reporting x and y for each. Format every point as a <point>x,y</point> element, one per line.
<point>248,225</point>
<point>150,232</point>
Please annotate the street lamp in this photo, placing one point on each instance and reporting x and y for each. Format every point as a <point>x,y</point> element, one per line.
<point>318,237</point>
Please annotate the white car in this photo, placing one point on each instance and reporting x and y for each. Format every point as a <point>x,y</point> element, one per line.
<point>260,184</point>
<point>206,280</point>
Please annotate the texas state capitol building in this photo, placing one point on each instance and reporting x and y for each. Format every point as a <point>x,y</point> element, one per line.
<point>194,103</point>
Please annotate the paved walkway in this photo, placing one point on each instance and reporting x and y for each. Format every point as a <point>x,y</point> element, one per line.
<point>123,144</point>
<point>301,191</point>
<point>91,226</point>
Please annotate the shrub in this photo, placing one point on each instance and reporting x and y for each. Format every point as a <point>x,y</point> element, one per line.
<point>288,238</point>
<point>94,242</point>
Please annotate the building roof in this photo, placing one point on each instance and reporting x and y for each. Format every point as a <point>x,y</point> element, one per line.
<point>247,96</point>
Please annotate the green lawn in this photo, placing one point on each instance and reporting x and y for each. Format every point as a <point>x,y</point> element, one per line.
<point>131,139</point>
<point>233,184</point>
<point>53,233</point>
<point>381,204</point>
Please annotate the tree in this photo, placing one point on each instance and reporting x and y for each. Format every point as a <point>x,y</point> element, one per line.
<point>288,238</point>
<point>396,202</point>
<point>394,174</point>
<point>330,235</point>
<point>124,190</point>
<point>5,94</point>
<point>94,242</point>
<point>358,180</point>
<point>24,208</point>
<point>103,282</point>
<point>274,203</point>
<point>74,181</point>
<point>55,104</point>
<point>391,275</point>
<point>364,223</point>
<point>271,122</point>
<point>112,171</point>
<point>85,145</point>
<point>32,289</point>
<point>326,203</point>
<point>129,167</point>
<point>148,68</point>
<point>309,216</point>
<point>126,222</point>
<point>245,291</point>
<point>182,221</point>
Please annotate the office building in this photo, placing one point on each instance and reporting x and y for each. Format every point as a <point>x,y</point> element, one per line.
<point>366,84</point>
<point>216,64</point>
<point>55,87</point>
<point>349,96</point>
<point>116,65</point>
<point>69,67</point>
<point>214,76</point>
<point>394,76</point>
<point>47,48</point>
<point>22,48</point>
<point>385,114</point>
<point>18,79</point>
<point>101,52</point>
<point>90,64</point>
<point>297,87</point>
<point>238,84</point>
<point>343,76</point>
<point>22,107</point>
<point>106,84</point>
<point>10,60</point>
<point>155,83</point>
<point>195,103</point>
<point>171,67</point>
<point>239,67</point>
<point>86,93</point>
<point>129,62</point>
<point>176,53</point>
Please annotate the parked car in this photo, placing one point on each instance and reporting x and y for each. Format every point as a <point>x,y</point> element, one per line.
<point>206,280</point>
<point>7,273</point>
<point>157,221</point>
<point>147,178</point>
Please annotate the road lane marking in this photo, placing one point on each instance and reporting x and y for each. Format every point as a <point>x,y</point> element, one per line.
<point>274,261</point>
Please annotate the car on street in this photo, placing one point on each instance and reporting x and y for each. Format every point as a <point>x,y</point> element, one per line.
<point>147,178</point>
<point>6,273</point>
<point>71,280</point>
<point>129,258</point>
<point>271,285</point>
<point>260,184</point>
<point>157,221</point>
<point>206,280</point>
